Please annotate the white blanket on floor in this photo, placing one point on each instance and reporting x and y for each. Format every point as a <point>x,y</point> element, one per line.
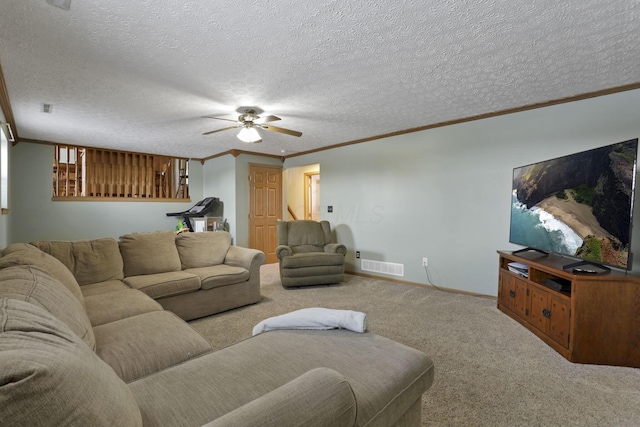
<point>315,318</point>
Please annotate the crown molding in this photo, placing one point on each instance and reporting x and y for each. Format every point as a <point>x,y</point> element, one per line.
<point>236,153</point>
<point>574,98</point>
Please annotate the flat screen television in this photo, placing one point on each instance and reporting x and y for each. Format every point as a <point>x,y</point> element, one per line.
<point>578,205</point>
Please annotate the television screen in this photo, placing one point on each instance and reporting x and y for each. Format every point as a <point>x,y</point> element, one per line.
<point>578,205</point>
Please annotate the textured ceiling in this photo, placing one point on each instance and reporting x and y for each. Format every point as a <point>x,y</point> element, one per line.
<point>138,75</point>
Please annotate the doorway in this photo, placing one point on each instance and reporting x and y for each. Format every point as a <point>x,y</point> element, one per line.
<point>302,192</point>
<point>312,196</point>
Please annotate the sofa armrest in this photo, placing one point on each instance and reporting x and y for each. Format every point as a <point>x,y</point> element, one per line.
<point>245,258</point>
<point>336,248</point>
<point>319,397</point>
<point>283,251</point>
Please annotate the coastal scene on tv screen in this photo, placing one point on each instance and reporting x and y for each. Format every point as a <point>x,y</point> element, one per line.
<point>578,205</point>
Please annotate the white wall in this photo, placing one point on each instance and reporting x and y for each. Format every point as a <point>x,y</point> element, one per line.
<point>445,193</point>
<point>34,216</point>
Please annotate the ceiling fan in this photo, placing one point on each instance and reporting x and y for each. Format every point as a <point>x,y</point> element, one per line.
<point>248,122</point>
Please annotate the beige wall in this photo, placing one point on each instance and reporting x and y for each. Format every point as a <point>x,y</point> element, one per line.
<point>293,183</point>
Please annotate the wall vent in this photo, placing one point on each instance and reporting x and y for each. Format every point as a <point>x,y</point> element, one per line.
<point>391,268</point>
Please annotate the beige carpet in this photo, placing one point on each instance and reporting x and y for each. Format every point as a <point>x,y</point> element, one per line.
<point>490,371</point>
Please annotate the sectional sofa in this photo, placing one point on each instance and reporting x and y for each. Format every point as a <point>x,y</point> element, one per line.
<point>107,353</point>
<point>192,274</point>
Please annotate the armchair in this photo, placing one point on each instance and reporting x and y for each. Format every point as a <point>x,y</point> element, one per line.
<point>307,254</point>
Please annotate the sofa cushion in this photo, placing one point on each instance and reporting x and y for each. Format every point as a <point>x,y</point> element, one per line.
<point>144,344</point>
<point>90,261</point>
<point>202,249</point>
<point>149,253</point>
<point>219,275</point>
<point>30,284</point>
<point>164,284</point>
<point>112,306</point>
<point>103,287</point>
<point>24,254</point>
<point>49,377</point>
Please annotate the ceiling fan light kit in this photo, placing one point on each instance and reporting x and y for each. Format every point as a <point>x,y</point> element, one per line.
<point>248,121</point>
<point>249,134</point>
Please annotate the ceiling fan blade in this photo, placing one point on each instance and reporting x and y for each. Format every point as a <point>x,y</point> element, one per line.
<point>281,130</point>
<point>218,118</point>
<point>267,119</point>
<point>219,130</point>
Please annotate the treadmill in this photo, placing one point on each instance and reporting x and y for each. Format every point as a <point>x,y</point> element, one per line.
<point>198,210</point>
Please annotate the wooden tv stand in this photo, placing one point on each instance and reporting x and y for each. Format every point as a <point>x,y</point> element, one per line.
<point>597,321</point>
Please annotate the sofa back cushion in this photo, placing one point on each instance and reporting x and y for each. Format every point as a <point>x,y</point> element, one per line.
<point>49,377</point>
<point>16,247</point>
<point>202,249</point>
<point>24,254</point>
<point>149,253</point>
<point>30,284</point>
<point>90,261</point>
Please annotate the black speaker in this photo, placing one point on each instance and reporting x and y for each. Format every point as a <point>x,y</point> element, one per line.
<point>558,284</point>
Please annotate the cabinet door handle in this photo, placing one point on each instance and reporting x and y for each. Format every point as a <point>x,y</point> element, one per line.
<point>512,294</point>
<point>546,313</point>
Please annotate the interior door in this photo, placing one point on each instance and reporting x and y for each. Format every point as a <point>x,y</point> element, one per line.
<point>265,208</point>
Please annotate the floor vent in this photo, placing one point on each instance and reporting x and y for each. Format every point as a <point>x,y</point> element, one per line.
<point>391,268</point>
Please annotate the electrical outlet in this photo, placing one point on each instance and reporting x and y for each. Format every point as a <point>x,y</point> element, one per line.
<point>357,254</point>
<point>425,262</point>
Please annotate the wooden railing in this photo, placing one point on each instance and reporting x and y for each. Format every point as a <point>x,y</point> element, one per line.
<point>293,215</point>
<point>98,173</point>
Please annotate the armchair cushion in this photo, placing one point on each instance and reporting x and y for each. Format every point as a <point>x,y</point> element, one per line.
<point>311,259</point>
<point>304,235</point>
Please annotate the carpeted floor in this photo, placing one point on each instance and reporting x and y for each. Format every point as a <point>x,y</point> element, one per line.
<point>490,371</point>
